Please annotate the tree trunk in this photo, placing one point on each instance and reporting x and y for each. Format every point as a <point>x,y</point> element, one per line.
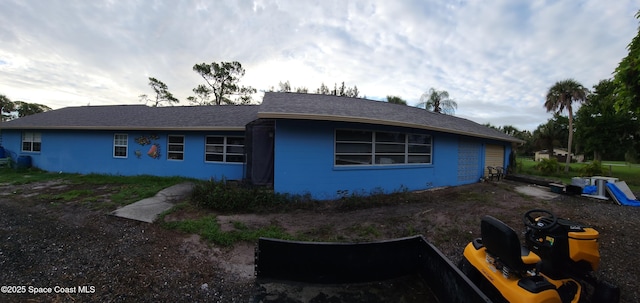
<point>566,166</point>
<point>597,156</point>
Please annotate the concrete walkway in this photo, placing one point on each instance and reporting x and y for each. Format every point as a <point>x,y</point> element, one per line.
<point>537,191</point>
<point>147,210</point>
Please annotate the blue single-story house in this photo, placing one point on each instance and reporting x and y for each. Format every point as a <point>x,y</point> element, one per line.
<point>323,145</point>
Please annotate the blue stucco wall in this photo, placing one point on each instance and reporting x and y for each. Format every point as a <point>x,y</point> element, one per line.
<point>92,152</point>
<point>303,159</point>
<point>304,162</point>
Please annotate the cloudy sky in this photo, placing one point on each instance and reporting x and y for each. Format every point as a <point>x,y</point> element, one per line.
<point>496,58</point>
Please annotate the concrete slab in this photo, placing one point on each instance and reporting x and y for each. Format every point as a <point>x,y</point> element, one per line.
<point>147,210</point>
<point>537,191</point>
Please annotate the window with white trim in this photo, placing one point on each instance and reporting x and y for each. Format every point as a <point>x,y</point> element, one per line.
<point>175,147</point>
<point>120,145</point>
<point>31,142</point>
<point>224,149</point>
<point>358,147</point>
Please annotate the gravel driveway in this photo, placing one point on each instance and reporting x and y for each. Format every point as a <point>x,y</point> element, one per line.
<point>84,255</point>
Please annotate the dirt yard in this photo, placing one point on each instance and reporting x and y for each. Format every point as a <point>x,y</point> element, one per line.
<point>82,255</point>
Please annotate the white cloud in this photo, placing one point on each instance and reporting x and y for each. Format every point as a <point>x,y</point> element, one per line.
<point>496,59</point>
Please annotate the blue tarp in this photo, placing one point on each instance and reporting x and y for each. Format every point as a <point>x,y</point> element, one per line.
<point>590,190</point>
<point>620,196</point>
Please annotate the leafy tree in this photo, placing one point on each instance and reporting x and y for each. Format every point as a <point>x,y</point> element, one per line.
<point>527,148</point>
<point>438,101</point>
<point>323,90</point>
<point>524,135</point>
<point>352,92</point>
<point>396,100</point>
<point>339,91</point>
<point>489,125</point>
<point>302,89</point>
<point>222,81</point>
<point>343,90</point>
<point>510,130</point>
<point>627,77</point>
<point>551,134</point>
<point>9,108</point>
<point>560,97</point>
<point>600,128</point>
<point>162,93</point>
<point>6,107</point>
<point>26,109</point>
<point>286,87</point>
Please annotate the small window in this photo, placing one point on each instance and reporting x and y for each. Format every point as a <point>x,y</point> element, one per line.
<point>175,148</point>
<point>418,148</point>
<point>120,145</point>
<point>224,149</point>
<point>353,147</point>
<point>31,142</point>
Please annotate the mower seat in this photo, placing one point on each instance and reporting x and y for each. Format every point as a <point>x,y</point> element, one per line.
<point>502,242</point>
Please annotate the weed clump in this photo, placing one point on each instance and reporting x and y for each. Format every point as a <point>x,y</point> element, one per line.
<point>225,196</point>
<point>548,166</point>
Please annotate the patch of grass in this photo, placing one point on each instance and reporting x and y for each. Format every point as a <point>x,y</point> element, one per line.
<point>26,176</point>
<point>365,231</point>
<point>446,234</point>
<point>410,230</point>
<point>184,205</point>
<point>630,173</point>
<point>131,188</point>
<point>325,232</point>
<point>476,197</point>
<point>209,228</point>
<point>73,194</point>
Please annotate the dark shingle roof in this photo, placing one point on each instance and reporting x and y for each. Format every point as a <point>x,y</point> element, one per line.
<point>140,117</point>
<point>335,108</point>
<point>235,117</point>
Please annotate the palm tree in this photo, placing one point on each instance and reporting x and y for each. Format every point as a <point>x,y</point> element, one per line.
<point>560,97</point>
<point>438,101</point>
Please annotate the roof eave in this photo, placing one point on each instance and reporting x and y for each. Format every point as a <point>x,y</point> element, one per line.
<point>129,128</point>
<point>276,115</point>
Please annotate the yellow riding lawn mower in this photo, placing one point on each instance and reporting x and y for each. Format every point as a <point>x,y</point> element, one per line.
<point>556,264</point>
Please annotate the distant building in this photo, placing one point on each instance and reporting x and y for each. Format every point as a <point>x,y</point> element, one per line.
<point>558,153</point>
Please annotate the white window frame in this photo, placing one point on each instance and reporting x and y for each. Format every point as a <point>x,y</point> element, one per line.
<point>118,140</point>
<point>34,139</point>
<point>375,156</point>
<point>225,149</point>
<point>172,153</point>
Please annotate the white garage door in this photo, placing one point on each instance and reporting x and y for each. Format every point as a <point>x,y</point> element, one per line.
<point>494,156</point>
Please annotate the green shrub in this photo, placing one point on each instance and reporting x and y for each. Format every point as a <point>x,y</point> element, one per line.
<point>548,166</point>
<point>591,169</point>
<point>235,197</point>
<point>209,228</point>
